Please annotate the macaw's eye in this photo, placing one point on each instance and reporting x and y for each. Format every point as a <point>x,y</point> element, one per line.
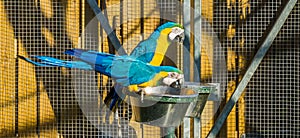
<point>176,30</point>
<point>173,75</point>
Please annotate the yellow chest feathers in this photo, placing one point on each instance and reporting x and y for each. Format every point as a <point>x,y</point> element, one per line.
<point>151,83</point>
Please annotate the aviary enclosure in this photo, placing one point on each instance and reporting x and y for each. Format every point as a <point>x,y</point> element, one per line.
<point>248,49</point>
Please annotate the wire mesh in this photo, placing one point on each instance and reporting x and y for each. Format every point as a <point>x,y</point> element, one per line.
<point>276,85</point>
<point>269,107</point>
<point>44,101</point>
<point>39,101</point>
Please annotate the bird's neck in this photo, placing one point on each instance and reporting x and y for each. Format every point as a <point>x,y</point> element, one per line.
<point>163,43</point>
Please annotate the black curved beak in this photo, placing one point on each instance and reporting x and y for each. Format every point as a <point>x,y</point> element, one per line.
<point>180,38</point>
<point>176,84</point>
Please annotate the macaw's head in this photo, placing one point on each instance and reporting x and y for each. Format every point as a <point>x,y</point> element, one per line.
<point>174,31</point>
<point>174,77</point>
<point>174,80</point>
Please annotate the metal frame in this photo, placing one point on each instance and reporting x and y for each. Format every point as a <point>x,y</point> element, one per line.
<point>192,25</point>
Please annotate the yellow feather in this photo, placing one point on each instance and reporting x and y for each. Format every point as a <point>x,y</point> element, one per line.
<point>133,88</point>
<point>161,48</point>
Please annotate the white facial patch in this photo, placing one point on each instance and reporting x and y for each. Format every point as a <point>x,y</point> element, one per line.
<point>172,77</point>
<point>176,31</point>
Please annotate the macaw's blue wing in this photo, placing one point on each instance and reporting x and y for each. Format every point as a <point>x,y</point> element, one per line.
<point>46,61</point>
<point>145,50</point>
<point>124,69</point>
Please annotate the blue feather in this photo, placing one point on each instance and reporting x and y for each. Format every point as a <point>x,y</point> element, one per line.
<point>53,62</point>
<point>115,98</point>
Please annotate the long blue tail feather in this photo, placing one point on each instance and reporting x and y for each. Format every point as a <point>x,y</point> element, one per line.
<point>54,62</point>
<point>75,52</point>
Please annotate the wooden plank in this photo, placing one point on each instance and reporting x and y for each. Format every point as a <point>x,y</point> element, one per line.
<point>27,115</point>
<point>7,79</point>
<point>73,21</point>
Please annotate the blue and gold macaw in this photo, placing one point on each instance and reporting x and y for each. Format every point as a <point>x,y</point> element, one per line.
<point>152,51</point>
<point>125,70</point>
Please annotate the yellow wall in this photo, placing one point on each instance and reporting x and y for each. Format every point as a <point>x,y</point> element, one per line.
<point>27,104</point>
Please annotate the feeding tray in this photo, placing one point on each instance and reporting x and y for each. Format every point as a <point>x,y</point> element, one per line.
<point>196,108</point>
<point>165,107</point>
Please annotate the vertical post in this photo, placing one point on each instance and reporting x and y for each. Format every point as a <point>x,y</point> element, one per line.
<point>197,39</point>
<point>82,23</point>
<point>197,57</point>
<point>186,127</point>
<point>16,88</point>
<point>186,43</point>
<point>186,56</point>
<point>197,127</point>
<point>142,130</point>
<point>142,38</point>
<point>192,19</point>
<point>37,107</point>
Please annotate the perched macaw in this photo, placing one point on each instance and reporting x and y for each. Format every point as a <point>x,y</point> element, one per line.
<point>124,70</point>
<point>151,50</point>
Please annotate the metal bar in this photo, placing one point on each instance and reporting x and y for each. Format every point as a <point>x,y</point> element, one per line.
<point>186,42</point>
<point>142,130</point>
<point>37,107</point>
<point>197,58</point>
<point>186,127</point>
<point>104,23</point>
<point>186,57</point>
<point>142,19</point>
<point>82,23</point>
<point>197,127</point>
<point>265,44</point>
<point>16,88</point>
<point>197,39</point>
